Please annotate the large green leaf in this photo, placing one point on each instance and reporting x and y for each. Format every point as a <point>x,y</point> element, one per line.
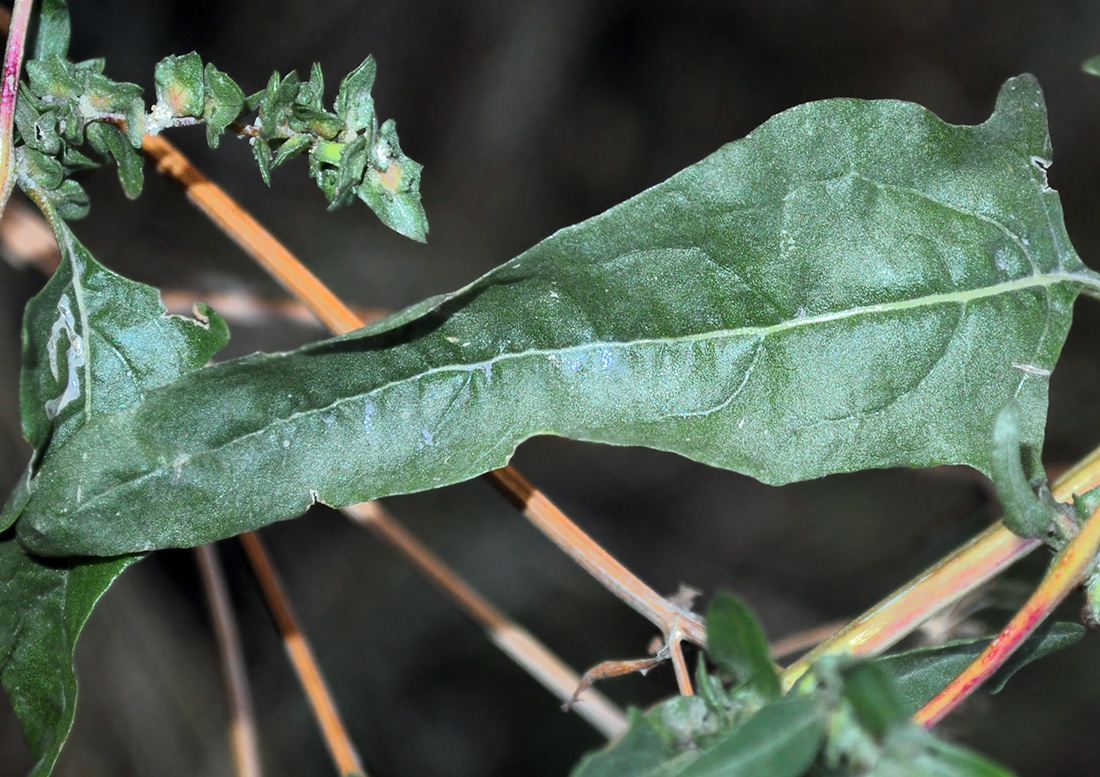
<point>94,342</point>
<point>922,673</point>
<point>855,284</point>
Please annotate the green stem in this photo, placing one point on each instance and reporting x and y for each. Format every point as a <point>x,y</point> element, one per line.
<point>13,65</point>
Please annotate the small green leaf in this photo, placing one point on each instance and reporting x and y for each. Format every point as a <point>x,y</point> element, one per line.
<point>312,92</point>
<point>104,98</point>
<point>276,106</point>
<point>781,740</point>
<point>736,643</point>
<point>180,89</point>
<point>223,104</point>
<point>51,38</point>
<point>42,171</point>
<point>349,173</point>
<point>70,200</point>
<point>922,673</point>
<point>110,142</point>
<point>54,80</point>
<point>36,129</point>
<point>261,152</point>
<point>874,697</point>
<point>1092,66</point>
<point>295,145</point>
<point>314,121</point>
<point>354,103</point>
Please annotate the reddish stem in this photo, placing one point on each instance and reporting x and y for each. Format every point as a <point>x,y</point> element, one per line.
<point>13,65</point>
<point>1067,572</point>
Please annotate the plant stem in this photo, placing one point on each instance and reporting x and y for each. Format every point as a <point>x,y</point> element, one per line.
<point>939,587</point>
<point>1065,574</point>
<point>781,648</point>
<point>305,665</point>
<point>515,641</point>
<point>546,516</point>
<point>9,88</point>
<point>242,718</point>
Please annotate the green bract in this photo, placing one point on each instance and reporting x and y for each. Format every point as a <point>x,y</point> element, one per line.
<point>854,285</point>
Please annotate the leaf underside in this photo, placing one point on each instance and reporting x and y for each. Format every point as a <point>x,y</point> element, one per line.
<point>853,285</point>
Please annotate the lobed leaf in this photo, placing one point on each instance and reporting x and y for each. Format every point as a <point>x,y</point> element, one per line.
<point>853,285</point>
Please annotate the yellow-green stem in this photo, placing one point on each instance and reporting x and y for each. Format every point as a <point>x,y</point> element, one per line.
<point>1066,574</point>
<point>976,562</point>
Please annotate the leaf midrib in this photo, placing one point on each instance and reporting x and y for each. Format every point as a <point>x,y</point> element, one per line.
<point>962,297</point>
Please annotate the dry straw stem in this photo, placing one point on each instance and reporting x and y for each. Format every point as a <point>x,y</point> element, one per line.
<point>259,244</point>
<point>242,718</point>
<point>305,665</point>
<point>520,645</point>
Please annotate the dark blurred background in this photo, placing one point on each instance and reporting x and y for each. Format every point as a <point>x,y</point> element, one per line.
<point>530,116</point>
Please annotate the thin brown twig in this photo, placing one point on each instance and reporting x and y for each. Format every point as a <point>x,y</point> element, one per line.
<point>305,665</point>
<point>679,665</point>
<point>258,243</point>
<point>521,646</point>
<point>547,517</point>
<point>242,718</point>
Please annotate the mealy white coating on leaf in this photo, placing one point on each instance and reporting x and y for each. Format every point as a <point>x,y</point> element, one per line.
<point>75,357</point>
